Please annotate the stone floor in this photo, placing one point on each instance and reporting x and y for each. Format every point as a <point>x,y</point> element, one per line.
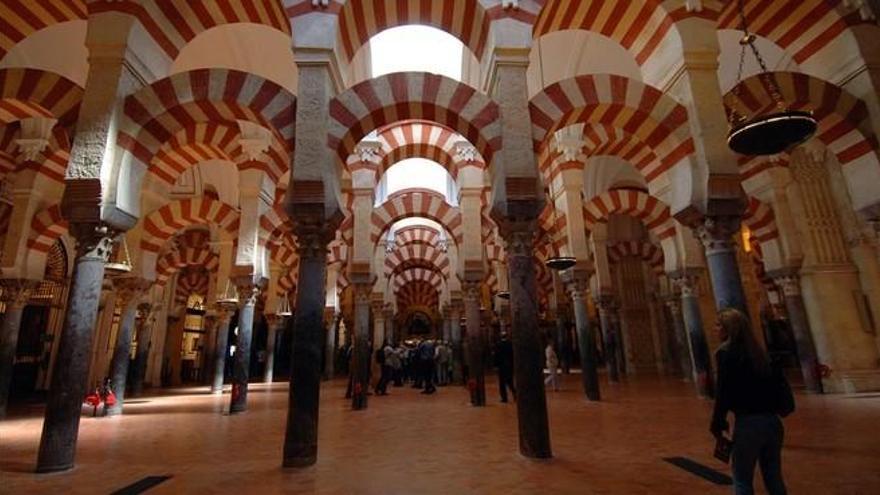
<point>408,443</point>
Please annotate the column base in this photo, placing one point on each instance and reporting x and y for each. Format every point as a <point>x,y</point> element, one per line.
<point>59,468</point>
<point>852,381</point>
<point>300,462</point>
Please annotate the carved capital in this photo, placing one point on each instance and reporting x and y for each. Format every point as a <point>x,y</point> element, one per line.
<point>470,291</point>
<point>248,290</point>
<point>717,233</point>
<point>92,241</point>
<point>789,284</point>
<point>686,282</point>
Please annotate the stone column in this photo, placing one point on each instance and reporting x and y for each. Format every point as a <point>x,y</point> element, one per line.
<point>129,290</point>
<point>68,387</point>
<point>717,235</point>
<point>586,338</point>
<point>607,307</point>
<point>476,366</point>
<point>377,306</point>
<point>528,357</point>
<point>248,290</point>
<point>455,336</point>
<point>331,318</point>
<point>390,331</point>
<point>693,323</point>
<point>447,324</point>
<point>563,337</point>
<point>224,315</point>
<point>360,366</point>
<point>797,317</point>
<point>16,293</point>
<point>301,435</point>
<point>682,349</point>
<point>276,322</point>
<point>142,353</point>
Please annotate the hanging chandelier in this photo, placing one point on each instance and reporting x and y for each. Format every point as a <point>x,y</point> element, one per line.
<point>773,132</point>
<point>119,262</point>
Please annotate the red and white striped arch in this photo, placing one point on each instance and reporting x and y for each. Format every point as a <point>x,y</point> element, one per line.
<point>650,210</point>
<point>46,227</point>
<point>760,220</point>
<point>360,20</point>
<point>409,203</point>
<point>429,275</point>
<point>21,18</point>
<point>644,28</point>
<point>337,252</point>
<point>417,234</point>
<point>191,249</point>
<point>174,23</point>
<point>416,254</point>
<point>384,100</point>
<point>164,222</point>
<point>419,139</point>
<point>644,251</point>
<point>28,93</point>
<point>191,280</point>
<point>653,118</point>
<point>803,28</point>
<point>287,283</point>
<point>844,122</point>
<point>205,141</point>
<point>155,114</point>
<point>417,293</point>
<point>283,250</point>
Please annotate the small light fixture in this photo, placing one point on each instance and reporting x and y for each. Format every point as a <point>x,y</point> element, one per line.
<point>229,296</point>
<point>284,307</point>
<point>769,133</point>
<point>503,294</point>
<point>557,262</point>
<point>119,262</point>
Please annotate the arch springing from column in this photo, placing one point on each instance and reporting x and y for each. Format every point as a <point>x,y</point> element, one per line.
<point>400,96</point>
<point>639,110</point>
<point>161,224</point>
<point>650,210</point>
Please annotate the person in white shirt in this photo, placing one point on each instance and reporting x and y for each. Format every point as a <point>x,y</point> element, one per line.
<point>552,365</point>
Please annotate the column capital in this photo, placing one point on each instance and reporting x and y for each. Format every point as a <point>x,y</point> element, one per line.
<point>788,280</point>
<point>606,302</point>
<point>470,290</point>
<point>674,305</point>
<point>717,232</point>
<point>17,291</point>
<point>130,289</point>
<point>93,240</point>
<point>248,289</point>
<point>686,281</point>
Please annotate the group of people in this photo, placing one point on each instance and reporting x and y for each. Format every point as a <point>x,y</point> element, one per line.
<point>426,363</point>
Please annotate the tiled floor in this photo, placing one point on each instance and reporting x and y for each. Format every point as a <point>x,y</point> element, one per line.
<point>408,443</point>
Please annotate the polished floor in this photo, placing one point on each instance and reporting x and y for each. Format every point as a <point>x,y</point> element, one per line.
<point>407,443</point>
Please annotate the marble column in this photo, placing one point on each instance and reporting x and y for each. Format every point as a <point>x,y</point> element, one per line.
<point>248,290</point>
<point>129,291</point>
<point>447,325</point>
<point>717,235</point>
<point>607,307</point>
<point>144,333</point>
<point>390,331</point>
<point>455,336</point>
<point>586,338</point>
<point>682,349</point>
<point>800,327</point>
<point>564,338</point>
<point>69,376</point>
<point>331,318</point>
<point>301,435</point>
<point>276,323</point>
<point>16,293</point>
<point>379,336</point>
<point>221,348</point>
<point>528,355</point>
<point>476,366</point>
<point>360,366</point>
<point>696,336</point>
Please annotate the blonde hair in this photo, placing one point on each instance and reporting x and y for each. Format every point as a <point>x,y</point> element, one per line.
<point>741,341</point>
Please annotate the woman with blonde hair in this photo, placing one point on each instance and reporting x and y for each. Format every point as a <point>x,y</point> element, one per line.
<point>757,395</point>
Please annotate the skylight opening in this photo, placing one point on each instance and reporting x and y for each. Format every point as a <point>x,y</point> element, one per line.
<point>416,49</point>
<point>418,173</point>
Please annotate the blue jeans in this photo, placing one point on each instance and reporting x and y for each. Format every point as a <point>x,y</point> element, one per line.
<point>757,439</point>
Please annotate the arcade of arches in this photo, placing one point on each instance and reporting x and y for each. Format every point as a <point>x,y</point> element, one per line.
<point>200,193</point>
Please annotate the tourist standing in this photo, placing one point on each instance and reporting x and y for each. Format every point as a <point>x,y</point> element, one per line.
<point>504,362</point>
<point>426,363</point>
<point>441,358</point>
<point>758,395</point>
